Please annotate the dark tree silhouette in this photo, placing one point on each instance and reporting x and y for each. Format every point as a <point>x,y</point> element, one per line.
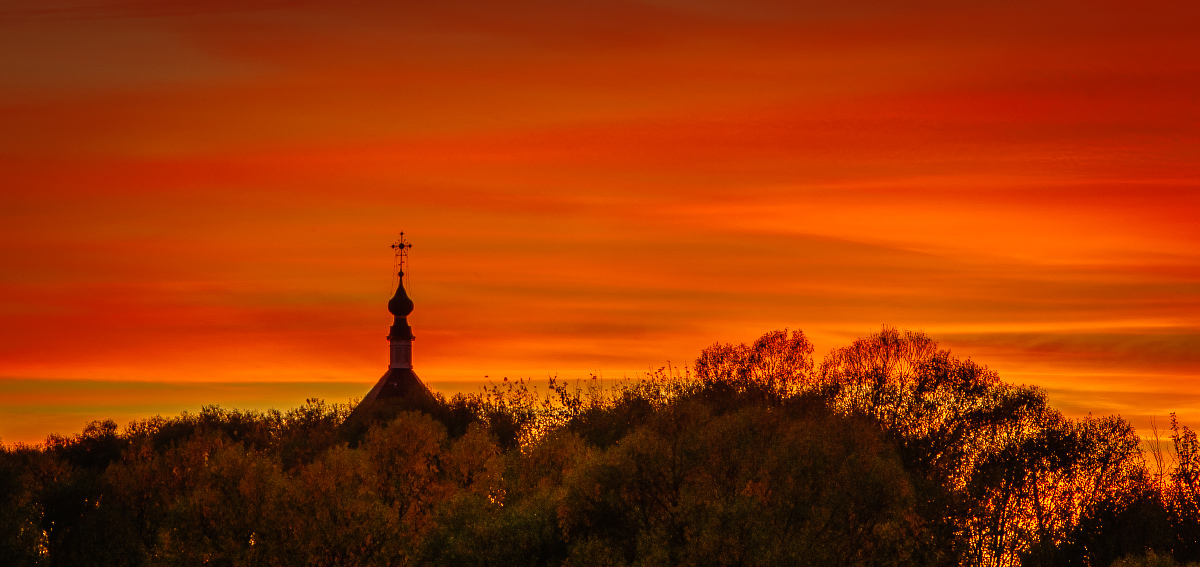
<point>891,451</point>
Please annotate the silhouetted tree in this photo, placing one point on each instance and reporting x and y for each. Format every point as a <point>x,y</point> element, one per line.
<point>891,451</point>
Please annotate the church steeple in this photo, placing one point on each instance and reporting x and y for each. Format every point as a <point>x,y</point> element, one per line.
<point>401,336</point>
<point>399,386</point>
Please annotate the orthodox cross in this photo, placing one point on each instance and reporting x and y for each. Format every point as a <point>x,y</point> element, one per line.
<point>400,247</point>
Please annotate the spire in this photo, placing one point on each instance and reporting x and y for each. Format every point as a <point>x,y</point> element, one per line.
<point>399,388</point>
<point>400,306</point>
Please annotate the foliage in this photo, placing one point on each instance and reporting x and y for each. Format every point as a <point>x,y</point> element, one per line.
<point>891,451</point>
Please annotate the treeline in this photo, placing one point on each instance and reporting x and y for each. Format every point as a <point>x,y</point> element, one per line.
<point>889,452</point>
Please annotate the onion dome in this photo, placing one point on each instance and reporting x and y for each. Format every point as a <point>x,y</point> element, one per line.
<point>400,305</point>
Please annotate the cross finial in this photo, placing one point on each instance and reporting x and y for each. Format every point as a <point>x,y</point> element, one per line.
<point>401,249</point>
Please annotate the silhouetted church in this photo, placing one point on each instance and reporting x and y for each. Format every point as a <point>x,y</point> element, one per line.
<point>399,388</point>
<point>399,381</point>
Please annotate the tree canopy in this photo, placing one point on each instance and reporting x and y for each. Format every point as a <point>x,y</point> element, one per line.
<point>890,451</point>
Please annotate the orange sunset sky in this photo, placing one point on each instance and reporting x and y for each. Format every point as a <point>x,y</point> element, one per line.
<point>197,197</point>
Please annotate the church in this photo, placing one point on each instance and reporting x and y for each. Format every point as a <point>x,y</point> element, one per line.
<point>399,387</point>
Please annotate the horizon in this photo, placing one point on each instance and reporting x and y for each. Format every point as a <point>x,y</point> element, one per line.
<point>199,198</point>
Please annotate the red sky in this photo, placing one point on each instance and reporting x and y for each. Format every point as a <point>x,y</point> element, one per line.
<point>202,193</point>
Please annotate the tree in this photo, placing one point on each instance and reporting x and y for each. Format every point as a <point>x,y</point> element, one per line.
<point>750,487</point>
<point>775,364</point>
<point>1183,493</point>
<point>20,535</point>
